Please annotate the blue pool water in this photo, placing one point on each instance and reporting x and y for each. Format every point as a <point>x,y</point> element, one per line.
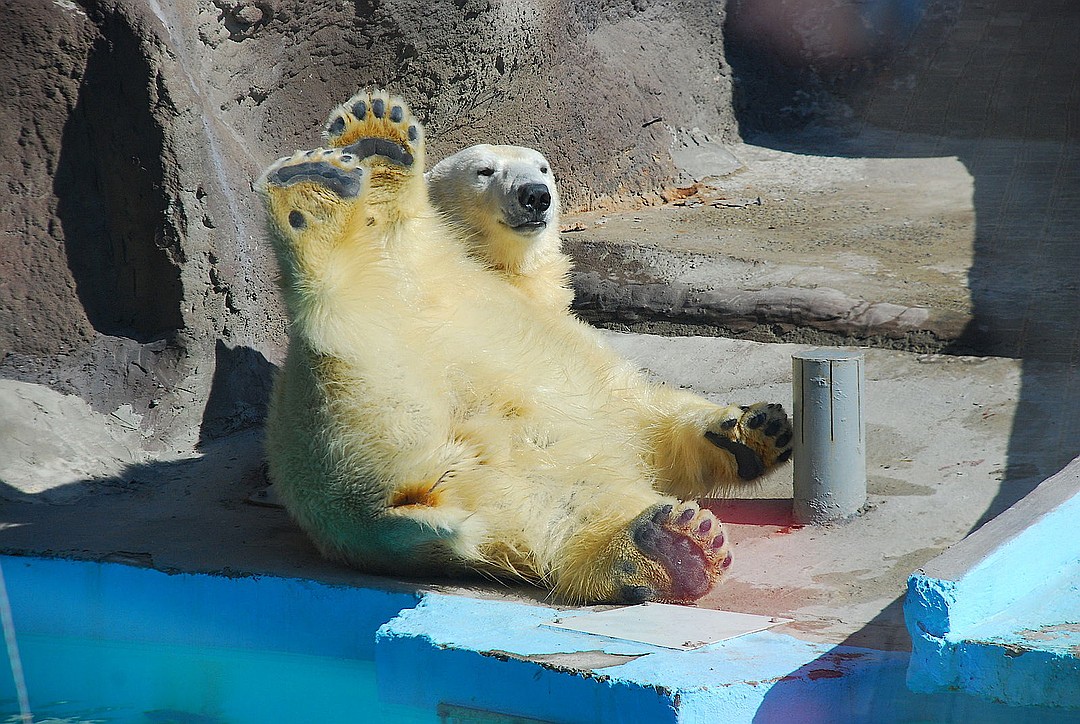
<point>82,680</point>
<point>103,642</point>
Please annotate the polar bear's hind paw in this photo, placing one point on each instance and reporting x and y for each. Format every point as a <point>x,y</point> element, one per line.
<point>689,547</point>
<point>374,123</point>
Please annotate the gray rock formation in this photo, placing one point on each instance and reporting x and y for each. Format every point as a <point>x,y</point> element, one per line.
<point>135,272</point>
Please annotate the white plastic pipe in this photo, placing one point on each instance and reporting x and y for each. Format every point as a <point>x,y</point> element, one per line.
<point>830,435</point>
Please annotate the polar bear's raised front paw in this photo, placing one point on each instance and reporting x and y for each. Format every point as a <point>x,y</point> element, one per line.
<point>337,171</point>
<point>374,123</point>
<point>685,552</point>
<point>758,438</point>
<point>295,192</point>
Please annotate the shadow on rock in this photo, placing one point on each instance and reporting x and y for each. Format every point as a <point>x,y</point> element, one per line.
<point>239,393</point>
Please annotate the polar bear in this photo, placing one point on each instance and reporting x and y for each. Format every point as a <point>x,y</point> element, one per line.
<point>504,201</point>
<point>431,417</point>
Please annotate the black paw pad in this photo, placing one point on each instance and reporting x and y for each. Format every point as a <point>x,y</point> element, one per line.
<point>359,110</point>
<point>683,560</point>
<point>636,594</point>
<point>336,127</point>
<point>718,541</point>
<point>378,107</point>
<point>748,464</point>
<point>395,152</point>
<point>756,421</point>
<point>344,184</point>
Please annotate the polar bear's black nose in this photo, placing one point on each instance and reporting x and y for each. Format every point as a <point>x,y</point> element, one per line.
<point>534,197</point>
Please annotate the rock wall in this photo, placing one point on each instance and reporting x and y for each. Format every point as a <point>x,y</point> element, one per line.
<point>134,272</point>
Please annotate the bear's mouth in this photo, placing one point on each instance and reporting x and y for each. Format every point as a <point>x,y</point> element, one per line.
<point>529,227</point>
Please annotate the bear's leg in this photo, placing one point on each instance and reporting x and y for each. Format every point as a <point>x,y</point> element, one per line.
<point>330,211</point>
<point>670,552</point>
<point>698,448</point>
<point>371,120</point>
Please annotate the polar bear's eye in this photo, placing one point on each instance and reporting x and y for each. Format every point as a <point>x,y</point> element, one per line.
<point>543,169</point>
<point>486,171</point>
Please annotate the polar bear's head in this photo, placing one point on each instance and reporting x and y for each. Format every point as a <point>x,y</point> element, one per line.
<point>504,200</point>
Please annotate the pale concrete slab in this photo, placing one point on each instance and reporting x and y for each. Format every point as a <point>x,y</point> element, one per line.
<point>938,430</point>
<point>792,247</point>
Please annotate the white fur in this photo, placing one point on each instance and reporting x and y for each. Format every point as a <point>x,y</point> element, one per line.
<point>485,205</point>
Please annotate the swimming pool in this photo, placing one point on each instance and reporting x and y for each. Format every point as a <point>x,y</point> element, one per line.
<point>90,680</point>
<point>106,642</point>
<point>102,642</point>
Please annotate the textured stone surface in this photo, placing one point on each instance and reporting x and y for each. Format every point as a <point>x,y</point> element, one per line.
<point>135,271</point>
<point>793,248</point>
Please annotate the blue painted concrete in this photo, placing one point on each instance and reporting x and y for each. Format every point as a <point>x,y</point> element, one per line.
<point>109,642</point>
<point>81,680</point>
<point>999,614</point>
<point>110,601</point>
<point>490,655</point>
<point>495,655</point>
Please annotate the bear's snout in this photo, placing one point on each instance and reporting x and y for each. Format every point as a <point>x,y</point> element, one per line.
<point>534,197</point>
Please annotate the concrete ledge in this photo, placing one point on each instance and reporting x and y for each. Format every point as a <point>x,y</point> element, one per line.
<point>998,614</point>
<point>631,284</point>
<point>496,656</point>
<point>496,660</point>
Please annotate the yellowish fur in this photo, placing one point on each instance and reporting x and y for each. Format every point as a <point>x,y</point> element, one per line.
<point>432,415</point>
<point>684,462</point>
